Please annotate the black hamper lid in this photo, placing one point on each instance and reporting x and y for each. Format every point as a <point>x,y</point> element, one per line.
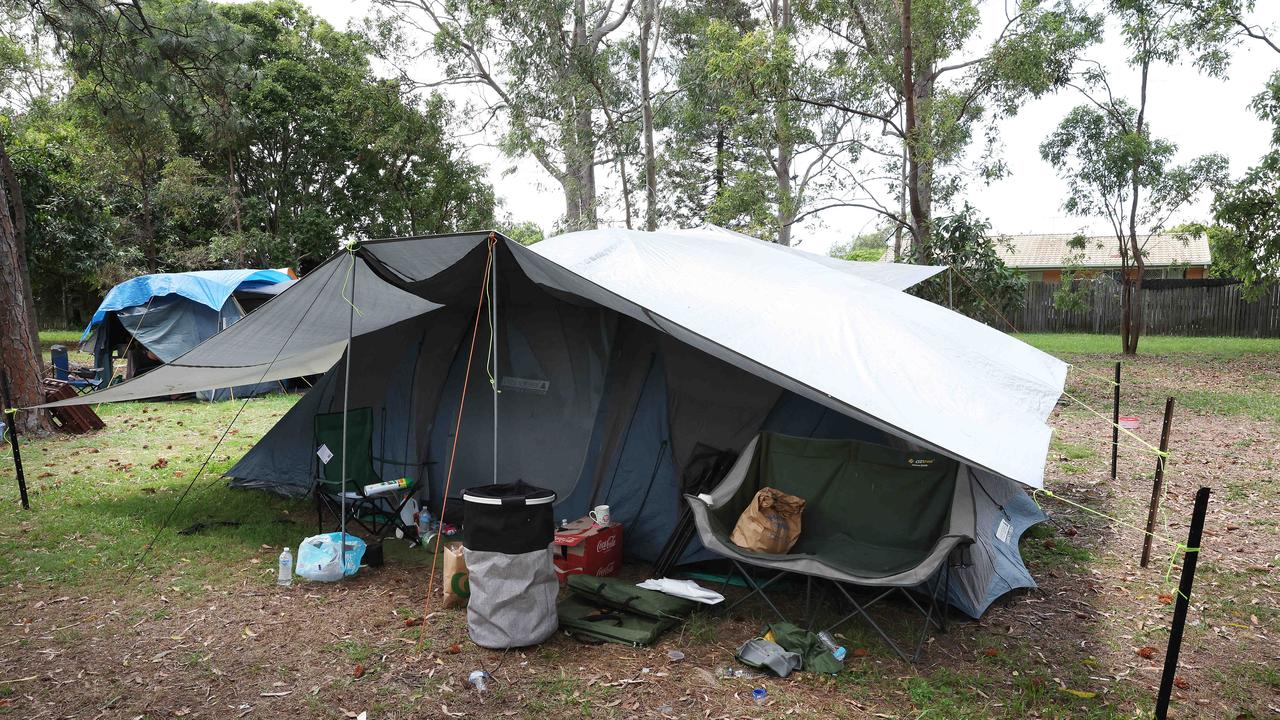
<point>516,493</point>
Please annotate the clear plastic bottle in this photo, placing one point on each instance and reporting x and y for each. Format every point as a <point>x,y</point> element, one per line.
<point>829,643</point>
<point>285,577</point>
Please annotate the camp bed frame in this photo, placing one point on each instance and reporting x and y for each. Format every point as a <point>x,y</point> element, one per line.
<point>929,574</point>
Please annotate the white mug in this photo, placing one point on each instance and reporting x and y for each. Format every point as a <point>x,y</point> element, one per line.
<point>600,516</point>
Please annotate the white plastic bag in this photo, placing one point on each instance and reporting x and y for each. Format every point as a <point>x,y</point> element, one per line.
<point>320,557</point>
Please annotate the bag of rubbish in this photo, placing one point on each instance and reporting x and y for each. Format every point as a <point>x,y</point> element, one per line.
<point>770,524</point>
<point>320,557</point>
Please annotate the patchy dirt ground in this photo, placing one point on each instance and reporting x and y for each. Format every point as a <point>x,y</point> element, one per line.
<point>1088,643</point>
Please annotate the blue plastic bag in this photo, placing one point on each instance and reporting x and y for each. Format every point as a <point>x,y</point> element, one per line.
<point>320,557</point>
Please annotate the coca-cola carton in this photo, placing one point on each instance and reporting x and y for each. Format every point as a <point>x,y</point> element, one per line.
<point>586,548</point>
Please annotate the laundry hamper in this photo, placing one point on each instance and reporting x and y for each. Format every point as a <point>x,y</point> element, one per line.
<point>507,534</point>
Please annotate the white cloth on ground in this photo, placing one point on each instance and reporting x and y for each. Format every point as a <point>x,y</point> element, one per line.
<point>687,589</point>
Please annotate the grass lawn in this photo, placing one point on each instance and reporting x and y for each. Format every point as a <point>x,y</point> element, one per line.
<point>201,631</point>
<point>1063,344</point>
<point>69,339</point>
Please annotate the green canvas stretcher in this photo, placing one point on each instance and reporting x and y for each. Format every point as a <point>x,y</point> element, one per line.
<point>612,610</point>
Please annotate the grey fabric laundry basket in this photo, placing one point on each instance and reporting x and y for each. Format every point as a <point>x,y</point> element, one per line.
<point>507,535</point>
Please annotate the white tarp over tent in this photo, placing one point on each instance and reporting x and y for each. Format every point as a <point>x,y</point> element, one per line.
<point>843,336</point>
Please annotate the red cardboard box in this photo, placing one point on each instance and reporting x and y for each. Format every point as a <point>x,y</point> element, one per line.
<point>584,548</point>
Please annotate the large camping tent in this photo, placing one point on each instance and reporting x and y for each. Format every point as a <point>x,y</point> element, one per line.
<point>620,356</point>
<point>153,319</point>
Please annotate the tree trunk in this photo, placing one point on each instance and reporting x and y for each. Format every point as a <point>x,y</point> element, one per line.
<point>147,227</point>
<point>648,14</point>
<point>19,208</point>
<point>718,174</point>
<point>1134,320</point>
<point>919,221</point>
<point>233,192</point>
<point>785,141</point>
<point>19,343</point>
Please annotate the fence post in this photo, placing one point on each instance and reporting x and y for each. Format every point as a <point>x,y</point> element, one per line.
<point>11,417</point>
<point>1158,484</point>
<point>1115,423</point>
<point>1183,601</point>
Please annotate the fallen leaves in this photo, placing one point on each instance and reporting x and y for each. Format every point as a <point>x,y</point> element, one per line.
<point>1146,652</point>
<point>358,671</point>
<point>1181,683</point>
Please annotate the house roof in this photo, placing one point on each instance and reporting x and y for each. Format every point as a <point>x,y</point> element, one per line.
<point>1031,252</point>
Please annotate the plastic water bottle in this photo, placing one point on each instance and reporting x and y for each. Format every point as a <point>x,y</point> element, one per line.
<point>479,679</point>
<point>285,577</point>
<point>829,643</point>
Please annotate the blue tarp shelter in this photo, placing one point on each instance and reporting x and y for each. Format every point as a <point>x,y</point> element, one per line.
<point>153,319</point>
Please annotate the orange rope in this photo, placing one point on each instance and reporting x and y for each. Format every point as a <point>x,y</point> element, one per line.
<point>453,453</point>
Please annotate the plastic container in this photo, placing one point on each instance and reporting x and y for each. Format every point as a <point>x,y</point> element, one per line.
<point>829,642</point>
<point>479,680</point>
<point>760,695</point>
<point>388,486</point>
<point>285,576</point>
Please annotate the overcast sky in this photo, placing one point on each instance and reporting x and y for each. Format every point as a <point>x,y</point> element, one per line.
<point>1199,114</point>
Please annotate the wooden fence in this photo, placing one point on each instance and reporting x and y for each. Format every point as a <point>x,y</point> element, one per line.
<point>1219,310</point>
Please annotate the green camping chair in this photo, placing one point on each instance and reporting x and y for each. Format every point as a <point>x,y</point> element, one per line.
<point>377,514</point>
<point>892,520</point>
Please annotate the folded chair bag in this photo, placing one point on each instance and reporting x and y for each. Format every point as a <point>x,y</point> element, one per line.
<point>611,610</point>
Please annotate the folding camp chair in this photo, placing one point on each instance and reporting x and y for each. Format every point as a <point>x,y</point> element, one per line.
<point>377,514</point>
<point>875,517</point>
<point>76,378</point>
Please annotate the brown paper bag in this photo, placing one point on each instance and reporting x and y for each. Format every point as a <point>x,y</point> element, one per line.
<point>457,582</point>
<point>770,524</point>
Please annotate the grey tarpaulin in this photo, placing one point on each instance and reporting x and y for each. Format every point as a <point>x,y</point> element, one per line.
<point>619,352</point>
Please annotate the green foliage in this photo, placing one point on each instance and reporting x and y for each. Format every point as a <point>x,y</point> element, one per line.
<point>1246,237</point>
<point>525,233</point>
<point>1072,294</point>
<point>195,135</point>
<point>70,231</point>
<point>548,70</point>
<point>1101,154</point>
<point>964,82</point>
<point>986,289</point>
<point>710,169</point>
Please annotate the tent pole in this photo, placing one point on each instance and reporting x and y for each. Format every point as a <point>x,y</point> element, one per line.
<point>493,340</point>
<point>346,409</point>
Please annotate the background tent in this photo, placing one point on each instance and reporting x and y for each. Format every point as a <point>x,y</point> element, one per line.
<point>620,357</point>
<point>154,319</point>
